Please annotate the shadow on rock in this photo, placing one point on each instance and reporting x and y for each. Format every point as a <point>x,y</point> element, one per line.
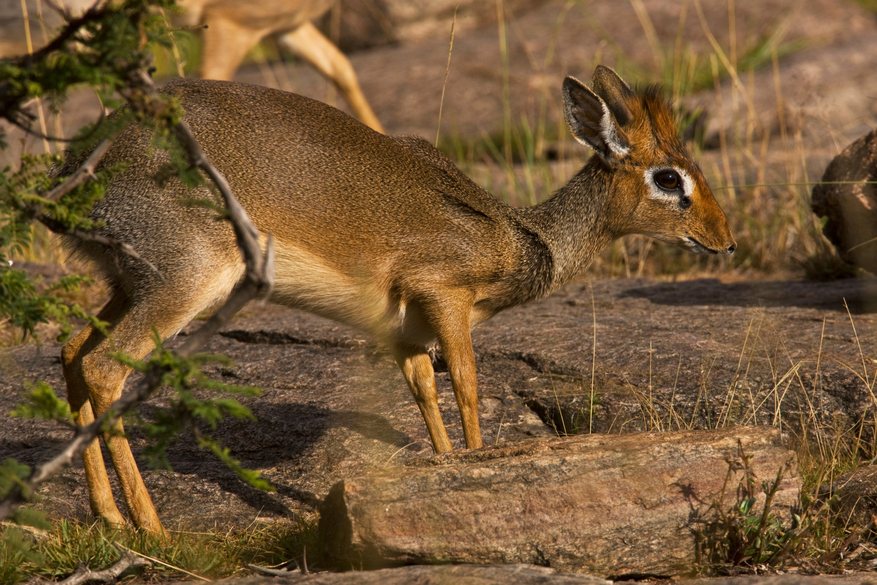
<point>860,295</point>
<point>285,436</point>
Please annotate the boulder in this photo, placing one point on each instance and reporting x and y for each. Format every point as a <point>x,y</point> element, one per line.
<point>612,506</point>
<point>848,199</point>
<point>854,496</point>
<point>432,575</point>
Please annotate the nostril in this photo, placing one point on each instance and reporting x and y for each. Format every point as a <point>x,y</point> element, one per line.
<point>731,248</point>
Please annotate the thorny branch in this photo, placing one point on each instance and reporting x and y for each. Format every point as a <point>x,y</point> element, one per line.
<point>82,174</point>
<point>60,228</point>
<point>257,282</point>
<point>12,96</point>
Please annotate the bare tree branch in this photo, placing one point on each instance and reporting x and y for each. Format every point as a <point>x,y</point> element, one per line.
<point>257,282</point>
<point>83,574</point>
<point>60,228</point>
<point>82,174</point>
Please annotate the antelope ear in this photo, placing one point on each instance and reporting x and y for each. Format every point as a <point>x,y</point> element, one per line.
<point>614,93</point>
<point>592,123</point>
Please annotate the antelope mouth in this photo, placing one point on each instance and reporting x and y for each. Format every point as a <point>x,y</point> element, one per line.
<point>696,247</point>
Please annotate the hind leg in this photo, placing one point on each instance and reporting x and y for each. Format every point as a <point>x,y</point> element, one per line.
<point>100,496</point>
<point>92,372</point>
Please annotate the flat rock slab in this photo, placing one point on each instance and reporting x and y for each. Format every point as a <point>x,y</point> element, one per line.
<point>521,575</point>
<point>433,575</point>
<point>668,356</point>
<point>603,505</point>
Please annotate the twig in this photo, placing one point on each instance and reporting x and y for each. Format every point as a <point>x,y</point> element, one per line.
<point>82,174</point>
<point>83,574</point>
<point>79,176</point>
<point>257,282</point>
<point>270,572</point>
<point>60,228</point>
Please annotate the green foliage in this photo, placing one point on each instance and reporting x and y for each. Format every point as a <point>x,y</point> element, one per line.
<point>750,537</point>
<point>12,473</point>
<point>102,48</point>
<point>23,306</point>
<point>16,553</point>
<point>15,187</point>
<point>42,402</point>
<point>252,477</point>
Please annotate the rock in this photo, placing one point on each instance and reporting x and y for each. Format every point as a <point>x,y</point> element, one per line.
<point>855,496</point>
<point>851,209</point>
<point>847,578</point>
<point>364,24</point>
<point>611,506</point>
<point>433,575</point>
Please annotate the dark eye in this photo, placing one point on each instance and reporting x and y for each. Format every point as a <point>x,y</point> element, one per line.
<point>668,180</point>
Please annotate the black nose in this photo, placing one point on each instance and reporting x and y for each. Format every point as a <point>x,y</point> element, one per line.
<point>731,248</point>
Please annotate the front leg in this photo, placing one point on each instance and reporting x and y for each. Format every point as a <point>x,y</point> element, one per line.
<point>417,368</point>
<point>456,342</point>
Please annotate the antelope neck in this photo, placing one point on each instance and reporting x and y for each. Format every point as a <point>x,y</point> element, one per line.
<point>576,223</point>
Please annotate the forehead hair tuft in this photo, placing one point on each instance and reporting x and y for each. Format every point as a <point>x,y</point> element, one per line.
<point>653,114</point>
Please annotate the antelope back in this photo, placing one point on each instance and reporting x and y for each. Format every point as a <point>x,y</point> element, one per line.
<point>659,190</point>
<point>362,223</point>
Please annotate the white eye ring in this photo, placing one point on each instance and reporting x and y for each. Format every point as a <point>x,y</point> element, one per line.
<point>682,191</point>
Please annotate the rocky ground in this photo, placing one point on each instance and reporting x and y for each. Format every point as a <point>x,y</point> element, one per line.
<point>698,354</point>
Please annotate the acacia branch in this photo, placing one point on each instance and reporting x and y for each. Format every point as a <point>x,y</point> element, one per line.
<point>258,279</point>
<point>77,178</point>
<point>11,95</point>
<point>61,228</point>
<point>82,174</point>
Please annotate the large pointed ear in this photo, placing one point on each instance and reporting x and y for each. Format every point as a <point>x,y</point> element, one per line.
<point>614,93</point>
<point>592,122</point>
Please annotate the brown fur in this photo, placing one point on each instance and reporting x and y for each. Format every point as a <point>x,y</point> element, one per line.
<point>383,233</point>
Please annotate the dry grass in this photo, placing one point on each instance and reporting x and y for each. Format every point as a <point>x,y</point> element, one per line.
<point>211,554</point>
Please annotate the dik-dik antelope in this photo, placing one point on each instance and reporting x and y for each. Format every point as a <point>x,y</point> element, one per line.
<point>382,233</point>
<point>234,27</point>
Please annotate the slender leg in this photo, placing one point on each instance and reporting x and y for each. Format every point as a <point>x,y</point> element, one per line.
<point>308,43</point>
<point>456,345</point>
<point>225,45</point>
<point>449,318</point>
<point>100,495</point>
<point>91,371</point>
<point>417,368</point>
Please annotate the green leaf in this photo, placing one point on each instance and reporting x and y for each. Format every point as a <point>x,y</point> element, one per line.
<point>12,473</point>
<point>43,403</point>
<point>254,478</point>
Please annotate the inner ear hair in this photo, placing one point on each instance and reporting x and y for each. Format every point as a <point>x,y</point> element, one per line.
<point>591,121</point>
<point>614,92</point>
